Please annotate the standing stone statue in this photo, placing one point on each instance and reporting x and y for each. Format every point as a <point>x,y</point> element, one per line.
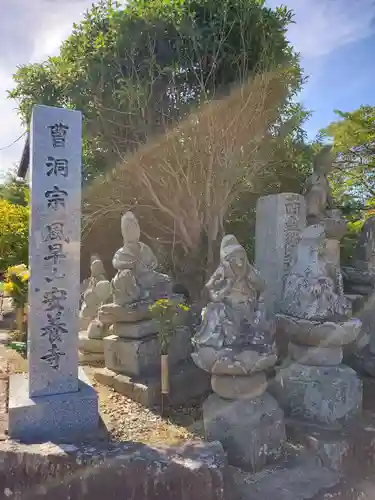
<point>92,331</point>
<point>96,293</point>
<point>314,287</point>
<point>317,191</point>
<point>132,348</point>
<point>235,345</point>
<point>316,388</point>
<point>135,263</point>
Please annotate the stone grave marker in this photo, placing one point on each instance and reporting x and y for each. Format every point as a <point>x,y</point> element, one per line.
<point>53,400</point>
<point>280,219</point>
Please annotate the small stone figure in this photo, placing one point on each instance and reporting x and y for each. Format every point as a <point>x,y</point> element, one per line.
<point>97,292</point>
<point>135,263</point>
<point>313,288</point>
<point>236,315</point>
<point>317,189</point>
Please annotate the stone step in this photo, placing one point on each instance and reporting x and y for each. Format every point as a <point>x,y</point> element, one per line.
<point>299,477</point>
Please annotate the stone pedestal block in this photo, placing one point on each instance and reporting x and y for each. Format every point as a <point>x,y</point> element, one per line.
<point>90,358</point>
<point>85,344</point>
<point>57,418</point>
<point>186,382</point>
<point>96,330</point>
<point>330,396</point>
<point>239,387</point>
<point>142,356</point>
<point>110,314</point>
<point>252,432</point>
<point>315,356</point>
<point>133,330</point>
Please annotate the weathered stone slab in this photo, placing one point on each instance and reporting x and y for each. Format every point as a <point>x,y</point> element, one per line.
<point>279,221</point>
<point>315,356</point>
<point>186,382</point>
<point>330,396</point>
<point>239,387</point>
<point>252,432</point>
<point>57,418</point>
<point>129,313</point>
<point>90,358</point>
<point>54,250</point>
<point>142,356</point>
<point>363,361</point>
<point>133,330</point>
<point>86,344</point>
<point>303,478</point>
<point>131,471</point>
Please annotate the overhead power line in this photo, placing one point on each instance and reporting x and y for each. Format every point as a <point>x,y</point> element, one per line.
<point>14,142</point>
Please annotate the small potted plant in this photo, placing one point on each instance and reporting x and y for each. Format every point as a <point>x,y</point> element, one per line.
<point>16,287</point>
<point>167,315</point>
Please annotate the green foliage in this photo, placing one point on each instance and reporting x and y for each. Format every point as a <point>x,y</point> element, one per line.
<point>14,234</point>
<point>15,191</point>
<point>353,138</point>
<point>167,315</point>
<point>288,166</point>
<point>137,69</point>
<point>16,284</point>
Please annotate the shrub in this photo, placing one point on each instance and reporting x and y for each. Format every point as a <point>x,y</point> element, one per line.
<point>14,234</point>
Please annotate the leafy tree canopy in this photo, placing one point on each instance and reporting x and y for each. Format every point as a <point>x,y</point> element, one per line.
<point>136,69</point>
<point>353,137</point>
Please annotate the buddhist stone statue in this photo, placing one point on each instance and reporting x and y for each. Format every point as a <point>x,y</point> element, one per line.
<point>235,345</point>
<point>317,190</point>
<point>135,263</point>
<point>97,292</point>
<point>235,319</point>
<point>314,286</point>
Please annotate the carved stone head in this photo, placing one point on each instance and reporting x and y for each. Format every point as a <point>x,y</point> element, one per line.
<point>97,268</point>
<point>233,253</point>
<point>130,229</point>
<point>323,160</point>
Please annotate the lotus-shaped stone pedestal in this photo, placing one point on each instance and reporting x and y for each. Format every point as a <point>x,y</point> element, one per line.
<point>312,385</point>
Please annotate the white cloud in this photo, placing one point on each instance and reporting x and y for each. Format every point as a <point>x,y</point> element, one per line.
<point>30,31</point>
<point>322,26</point>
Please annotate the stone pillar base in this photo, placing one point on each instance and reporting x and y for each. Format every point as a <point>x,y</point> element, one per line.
<point>252,432</point>
<point>330,396</point>
<point>57,418</point>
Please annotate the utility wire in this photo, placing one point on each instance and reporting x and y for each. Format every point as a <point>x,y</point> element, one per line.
<point>14,142</point>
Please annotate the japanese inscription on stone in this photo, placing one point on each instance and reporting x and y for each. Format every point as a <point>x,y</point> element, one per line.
<point>292,229</point>
<point>54,250</point>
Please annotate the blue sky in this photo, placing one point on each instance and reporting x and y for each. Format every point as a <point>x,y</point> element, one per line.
<point>336,39</point>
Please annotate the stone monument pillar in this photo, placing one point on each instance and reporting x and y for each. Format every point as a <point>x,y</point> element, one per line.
<point>54,401</point>
<point>280,218</point>
<point>235,345</point>
<point>131,350</point>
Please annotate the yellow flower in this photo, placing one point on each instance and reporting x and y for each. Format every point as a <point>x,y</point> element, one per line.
<point>19,269</point>
<point>8,287</point>
<point>183,307</point>
<point>25,276</point>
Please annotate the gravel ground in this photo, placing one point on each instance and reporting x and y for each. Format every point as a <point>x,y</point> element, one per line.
<point>127,420</point>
